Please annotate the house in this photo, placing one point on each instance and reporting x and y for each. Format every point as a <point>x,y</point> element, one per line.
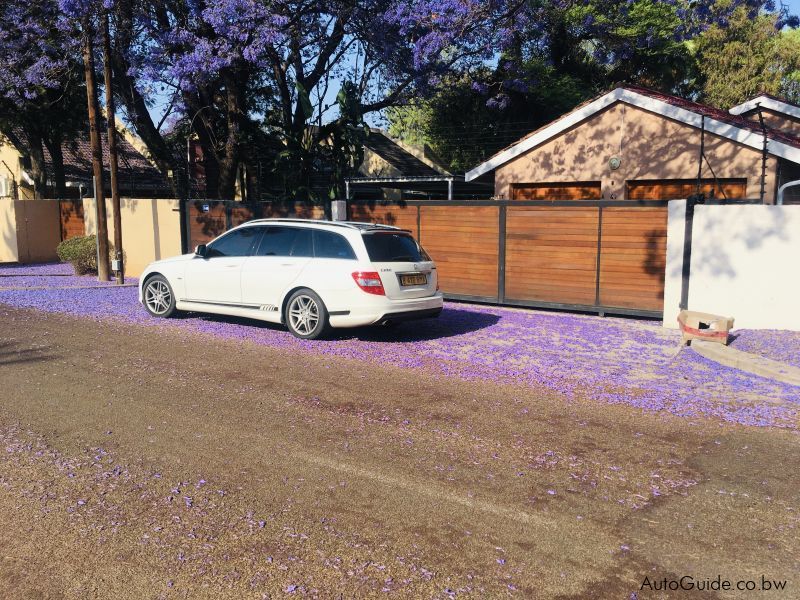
<point>783,116</point>
<point>637,144</point>
<point>777,113</point>
<point>137,176</point>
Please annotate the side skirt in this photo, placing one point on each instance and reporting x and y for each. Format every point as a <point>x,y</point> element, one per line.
<point>232,310</point>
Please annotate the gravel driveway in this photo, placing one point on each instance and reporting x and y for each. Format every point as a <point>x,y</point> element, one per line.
<point>491,453</point>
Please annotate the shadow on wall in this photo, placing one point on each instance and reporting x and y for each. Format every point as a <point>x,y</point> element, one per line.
<point>650,147</point>
<point>714,232</point>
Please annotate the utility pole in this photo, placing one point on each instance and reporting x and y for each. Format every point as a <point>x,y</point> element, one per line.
<point>97,150</point>
<point>112,149</point>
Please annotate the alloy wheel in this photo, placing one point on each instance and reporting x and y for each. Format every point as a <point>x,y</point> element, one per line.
<point>303,314</point>
<point>158,297</point>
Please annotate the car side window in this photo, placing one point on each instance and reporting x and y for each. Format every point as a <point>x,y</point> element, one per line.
<point>332,245</point>
<point>235,243</point>
<point>285,241</point>
<point>303,243</point>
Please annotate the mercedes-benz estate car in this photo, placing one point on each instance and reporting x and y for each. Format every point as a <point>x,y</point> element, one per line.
<point>308,275</point>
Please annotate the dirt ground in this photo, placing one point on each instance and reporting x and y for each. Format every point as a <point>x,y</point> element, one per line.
<point>137,463</point>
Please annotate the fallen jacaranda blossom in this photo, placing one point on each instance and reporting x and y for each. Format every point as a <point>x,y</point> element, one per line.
<point>612,360</point>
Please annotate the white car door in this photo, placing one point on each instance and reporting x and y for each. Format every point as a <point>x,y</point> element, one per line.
<point>216,277</point>
<point>283,253</point>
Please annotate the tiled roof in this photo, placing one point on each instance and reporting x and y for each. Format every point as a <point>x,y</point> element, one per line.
<point>134,169</point>
<point>718,114</point>
<point>769,102</point>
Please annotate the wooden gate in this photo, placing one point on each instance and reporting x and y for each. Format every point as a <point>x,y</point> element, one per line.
<point>71,215</point>
<point>594,255</point>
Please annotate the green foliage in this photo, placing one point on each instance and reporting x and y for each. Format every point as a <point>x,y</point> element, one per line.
<point>747,57</point>
<point>81,251</point>
<point>463,129</point>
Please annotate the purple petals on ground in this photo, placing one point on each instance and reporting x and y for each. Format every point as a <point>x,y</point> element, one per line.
<point>35,270</point>
<point>617,361</point>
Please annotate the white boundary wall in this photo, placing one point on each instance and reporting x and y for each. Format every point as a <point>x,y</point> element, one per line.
<point>745,264</point>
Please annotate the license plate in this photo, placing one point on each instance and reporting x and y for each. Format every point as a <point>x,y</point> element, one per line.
<point>415,279</point>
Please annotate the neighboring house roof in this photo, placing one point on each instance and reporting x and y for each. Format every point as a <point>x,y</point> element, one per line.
<point>402,160</point>
<point>717,122</point>
<point>769,102</point>
<point>134,169</point>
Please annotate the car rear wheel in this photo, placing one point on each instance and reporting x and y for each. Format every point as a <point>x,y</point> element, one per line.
<point>306,315</point>
<point>159,300</point>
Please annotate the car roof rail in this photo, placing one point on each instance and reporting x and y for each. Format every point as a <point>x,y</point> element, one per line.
<point>349,224</point>
<point>361,225</point>
<point>304,221</point>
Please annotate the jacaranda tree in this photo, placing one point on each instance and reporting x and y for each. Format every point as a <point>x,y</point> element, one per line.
<point>42,100</point>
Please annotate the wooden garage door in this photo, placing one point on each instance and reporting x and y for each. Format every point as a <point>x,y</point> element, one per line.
<point>576,190</point>
<point>672,189</point>
<point>463,240</point>
<point>72,223</point>
<point>633,257</point>
<point>551,254</point>
<point>402,216</point>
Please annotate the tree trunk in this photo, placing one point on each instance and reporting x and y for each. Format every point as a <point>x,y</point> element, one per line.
<point>112,148</point>
<point>134,102</point>
<point>57,159</point>
<point>38,167</point>
<point>229,164</point>
<point>103,268</point>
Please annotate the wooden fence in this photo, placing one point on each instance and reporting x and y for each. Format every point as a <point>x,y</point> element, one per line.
<point>206,219</point>
<point>593,255</point>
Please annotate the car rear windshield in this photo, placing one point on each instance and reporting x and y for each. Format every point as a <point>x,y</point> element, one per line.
<point>393,247</point>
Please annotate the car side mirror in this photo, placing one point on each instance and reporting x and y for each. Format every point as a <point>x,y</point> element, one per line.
<point>201,251</point>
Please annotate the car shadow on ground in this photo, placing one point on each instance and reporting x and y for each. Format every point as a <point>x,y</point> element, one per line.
<point>452,322</point>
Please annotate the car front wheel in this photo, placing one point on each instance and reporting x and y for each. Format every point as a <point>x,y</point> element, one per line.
<point>159,300</point>
<point>306,315</point>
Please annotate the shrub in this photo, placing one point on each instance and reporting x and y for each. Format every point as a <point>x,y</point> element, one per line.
<point>81,251</point>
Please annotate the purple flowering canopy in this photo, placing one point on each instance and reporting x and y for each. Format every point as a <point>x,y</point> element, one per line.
<point>41,84</point>
<point>235,71</point>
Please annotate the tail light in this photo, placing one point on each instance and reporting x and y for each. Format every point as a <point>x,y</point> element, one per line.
<point>370,282</point>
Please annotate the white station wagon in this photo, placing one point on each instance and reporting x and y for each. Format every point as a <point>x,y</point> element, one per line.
<point>308,275</point>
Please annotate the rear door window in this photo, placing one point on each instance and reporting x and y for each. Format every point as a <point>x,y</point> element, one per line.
<point>393,247</point>
<point>286,241</point>
<point>332,245</point>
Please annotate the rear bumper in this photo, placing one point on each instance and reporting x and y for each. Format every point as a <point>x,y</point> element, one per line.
<point>411,315</point>
<point>384,309</point>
